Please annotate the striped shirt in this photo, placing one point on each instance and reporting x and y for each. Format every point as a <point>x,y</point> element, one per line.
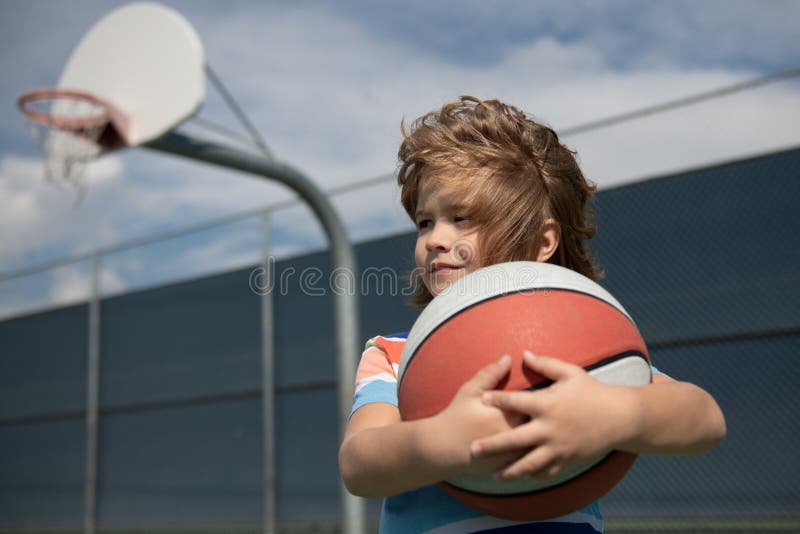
<point>430,509</point>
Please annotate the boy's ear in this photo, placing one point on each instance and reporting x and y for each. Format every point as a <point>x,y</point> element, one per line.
<point>550,239</point>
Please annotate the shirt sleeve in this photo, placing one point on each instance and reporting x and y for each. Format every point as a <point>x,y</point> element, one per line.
<point>376,378</point>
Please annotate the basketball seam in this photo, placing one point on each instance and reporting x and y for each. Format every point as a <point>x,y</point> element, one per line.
<point>596,365</point>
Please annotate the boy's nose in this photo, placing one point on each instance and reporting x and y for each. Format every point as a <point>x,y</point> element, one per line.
<point>439,238</point>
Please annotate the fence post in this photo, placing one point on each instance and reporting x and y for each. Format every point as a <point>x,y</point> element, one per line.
<point>268,384</point>
<point>92,400</point>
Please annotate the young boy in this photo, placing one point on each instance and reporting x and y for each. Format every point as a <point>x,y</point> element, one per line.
<point>486,184</point>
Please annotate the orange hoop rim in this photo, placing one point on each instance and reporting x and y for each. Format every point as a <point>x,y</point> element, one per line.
<point>110,127</point>
<point>64,122</point>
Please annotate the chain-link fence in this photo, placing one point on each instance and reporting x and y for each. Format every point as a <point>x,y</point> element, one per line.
<point>705,261</point>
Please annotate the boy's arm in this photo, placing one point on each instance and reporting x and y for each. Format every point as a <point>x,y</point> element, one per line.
<point>578,417</point>
<point>382,455</point>
<point>672,417</point>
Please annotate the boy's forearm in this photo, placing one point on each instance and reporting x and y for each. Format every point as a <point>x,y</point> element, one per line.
<point>382,455</point>
<point>673,418</point>
<point>387,460</point>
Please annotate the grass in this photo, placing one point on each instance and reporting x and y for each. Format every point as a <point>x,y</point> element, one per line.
<point>703,526</point>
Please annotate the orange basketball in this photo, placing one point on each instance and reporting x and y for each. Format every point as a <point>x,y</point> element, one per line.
<point>507,309</point>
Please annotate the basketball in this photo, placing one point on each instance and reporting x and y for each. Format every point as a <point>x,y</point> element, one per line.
<point>506,309</point>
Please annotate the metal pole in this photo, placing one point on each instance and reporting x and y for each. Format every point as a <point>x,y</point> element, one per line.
<point>92,401</point>
<point>345,302</point>
<point>268,385</point>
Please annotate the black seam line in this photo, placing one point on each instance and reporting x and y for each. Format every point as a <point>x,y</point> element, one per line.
<point>173,403</point>
<point>596,365</point>
<point>532,492</point>
<point>515,292</point>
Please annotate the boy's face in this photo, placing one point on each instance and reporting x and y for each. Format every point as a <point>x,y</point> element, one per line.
<point>447,241</point>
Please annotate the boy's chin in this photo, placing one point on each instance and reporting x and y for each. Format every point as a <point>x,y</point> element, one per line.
<point>438,283</point>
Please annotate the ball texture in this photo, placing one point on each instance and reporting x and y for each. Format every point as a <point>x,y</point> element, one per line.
<point>506,309</point>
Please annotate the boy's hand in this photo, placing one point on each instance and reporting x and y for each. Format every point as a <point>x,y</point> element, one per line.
<point>575,418</point>
<point>467,418</point>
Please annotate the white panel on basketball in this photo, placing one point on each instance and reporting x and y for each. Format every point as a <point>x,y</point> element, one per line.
<point>627,371</point>
<point>486,484</point>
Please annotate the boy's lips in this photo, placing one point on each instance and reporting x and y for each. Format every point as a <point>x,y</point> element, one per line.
<point>442,268</point>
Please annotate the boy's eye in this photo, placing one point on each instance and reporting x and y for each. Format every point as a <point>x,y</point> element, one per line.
<point>461,219</point>
<point>423,223</point>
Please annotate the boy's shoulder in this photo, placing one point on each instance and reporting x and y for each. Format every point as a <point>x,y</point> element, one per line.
<point>377,341</point>
<point>391,345</point>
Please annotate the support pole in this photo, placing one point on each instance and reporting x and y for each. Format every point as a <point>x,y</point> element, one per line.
<point>345,302</point>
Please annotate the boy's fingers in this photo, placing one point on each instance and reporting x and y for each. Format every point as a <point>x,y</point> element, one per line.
<point>513,401</point>
<point>490,376</point>
<point>536,463</point>
<point>552,368</point>
<point>522,437</point>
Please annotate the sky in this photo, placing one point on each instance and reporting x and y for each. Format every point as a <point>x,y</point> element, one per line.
<point>327,85</point>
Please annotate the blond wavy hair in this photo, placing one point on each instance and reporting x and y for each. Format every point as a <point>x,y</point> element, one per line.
<point>514,174</point>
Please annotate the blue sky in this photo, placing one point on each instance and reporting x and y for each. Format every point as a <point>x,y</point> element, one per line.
<point>327,84</point>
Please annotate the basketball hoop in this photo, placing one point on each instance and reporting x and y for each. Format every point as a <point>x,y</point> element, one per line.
<point>71,128</point>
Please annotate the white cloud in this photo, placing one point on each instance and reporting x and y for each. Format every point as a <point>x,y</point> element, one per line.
<point>743,125</point>
<point>70,285</point>
<point>38,213</point>
<point>111,281</point>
